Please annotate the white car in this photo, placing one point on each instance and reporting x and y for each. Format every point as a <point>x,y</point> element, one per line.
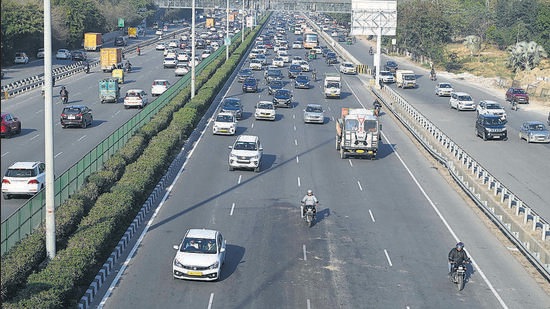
<point>24,178</point>
<point>265,110</point>
<point>443,89</point>
<point>63,54</point>
<point>261,49</point>
<point>159,87</point>
<point>169,62</point>
<point>246,152</point>
<point>135,98</point>
<point>304,65</point>
<point>200,255</point>
<point>387,77</point>
<point>462,101</point>
<point>160,46</point>
<point>348,68</point>
<point>21,58</point>
<point>225,123</point>
<point>314,114</point>
<point>255,64</point>
<point>317,50</point>
<point>182,57</point>
<point>297,45</point>
<point>278,62</point>
<point>158,32</point>
<point>284,55</point>
<point>170,53</point>
<point>181,69</point>
<point>206,53</point>
<point>296,60</point>
<point>487,107</point>
<point>253,54</point>
<point>173,44</point>
<point>40,53</point>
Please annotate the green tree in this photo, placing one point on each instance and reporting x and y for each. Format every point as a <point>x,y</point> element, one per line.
<point>22,26</point>
<point>525,56</point>
<point>473,43</point>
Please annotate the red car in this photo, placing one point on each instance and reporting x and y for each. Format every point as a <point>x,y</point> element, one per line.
<point>10,125</point>
<point>517,95</point>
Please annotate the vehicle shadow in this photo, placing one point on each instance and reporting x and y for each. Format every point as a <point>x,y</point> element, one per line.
<point>233,257</point>
<point>268,161</point>
<point>240,130</point>
<point>321,215</point>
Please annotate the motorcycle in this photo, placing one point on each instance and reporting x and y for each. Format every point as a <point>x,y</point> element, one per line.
<point>128,67</point>
<point>458,275</point>
<point>514,105</point>
<point>309,215</point>
<point>371,52</point>
<point>64,99</point>
<point>433,76</point>
<point>87,68</point>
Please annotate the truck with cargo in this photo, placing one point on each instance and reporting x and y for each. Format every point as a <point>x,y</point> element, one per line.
<point>133,32</point>
<point>357,133</point>
<point>405,79</point>
<point>332,85</point>
<point>110,58</point>
<point>93,41</point>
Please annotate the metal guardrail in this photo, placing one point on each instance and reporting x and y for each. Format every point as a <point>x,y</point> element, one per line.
<point>519,222</point>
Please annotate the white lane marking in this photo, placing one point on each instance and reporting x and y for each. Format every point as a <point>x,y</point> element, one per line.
<point>299,184</point>
<point>332,118</point>
<point>34,137</point>
<point>308,304</point>
<point>211,300</point>
<point>83,137</point>
<point>453,234</point>
<point>359,184</point>
<point>57,155</point>
<point>297,160</point>
<point>294,127</point>
<point>232,208</point>
<point>239,180</point>
<point>371,216</point>
<point>328,107</point>
<point>350,162</point>
<point>5,153</point>
<point>293,116</point>
<point>114,115</point>
<point>304,250</point>
<point>252,125</point>
<point>296,142</point>
<point>388,257</point>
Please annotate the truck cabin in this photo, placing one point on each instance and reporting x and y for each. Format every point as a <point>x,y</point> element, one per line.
<point>368,125</point>
<point>333,85</point>
<point>409,77</point>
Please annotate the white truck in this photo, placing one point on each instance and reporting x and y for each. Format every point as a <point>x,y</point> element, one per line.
<point>405,79</point>
<point>357,133</point>
<point>332,85</point>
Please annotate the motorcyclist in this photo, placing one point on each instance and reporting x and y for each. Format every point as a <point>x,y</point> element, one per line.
<point>314,75</point>
<point>138,50</point>
<point>457,256</point>
<point>64,94</point>
<point>128,66</point>
<point>371,51</point>
<point>432,74</point>
<point>309,200</point>
<point>87,67</point>
<point>377,106</point>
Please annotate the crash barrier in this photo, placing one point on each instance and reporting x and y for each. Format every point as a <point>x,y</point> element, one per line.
<point>362,69</point>
<point>529,231</point>
<point>29,216</point>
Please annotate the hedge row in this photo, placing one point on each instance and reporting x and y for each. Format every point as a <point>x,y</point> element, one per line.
<point>90,224</point>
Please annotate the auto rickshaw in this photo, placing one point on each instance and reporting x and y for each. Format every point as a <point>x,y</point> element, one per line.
<point>118,74</point>
<point>349,40</point>
<point>312,54</point>
<point>109,90</point>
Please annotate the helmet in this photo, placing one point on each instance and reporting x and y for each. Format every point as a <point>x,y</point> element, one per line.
<point>309,192</point>
<point>63,88</point>
<point>460,245</point>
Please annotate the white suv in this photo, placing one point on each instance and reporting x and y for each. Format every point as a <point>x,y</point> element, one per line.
<point>487,107</point>
<point>246,152</point>
<point>462,101</point>
<point>159,87</point>
<point>24,178</point>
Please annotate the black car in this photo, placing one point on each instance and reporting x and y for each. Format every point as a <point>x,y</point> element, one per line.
<point>331,58</point>
<point>294,70</point>
<point>120,41</point>
<point>302,82</point>
<point>489,126</point>
<point>244,74</point>
<point>282,97</point>
<point>232,105</point>
<point>250,85</point>
<point>76,116</point>
<point>273,74</point>
<point>78,55</point>
<point>391,66</point>
<point>275,85</point>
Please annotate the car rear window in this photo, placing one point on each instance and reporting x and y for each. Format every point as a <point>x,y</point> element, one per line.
<point>15,172</point>
<point>71,110</point>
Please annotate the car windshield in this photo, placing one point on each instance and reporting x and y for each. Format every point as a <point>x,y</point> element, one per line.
<point>285,94</point>
<point>71,110</point>
<point>295,68</point>
<point>537,127</point>
<point>244,146</point>
<point>274,72</point>
<point>465,98</point>
<point>518,91</point>
<point>133,94</point>
<point>314,109</point>
<point>224,118</point>
<point>231,103</point>
<point>265,105</point>
<point>276,84</point>
<point>445,86</point>
<point>20,172</point>
<point>302,78</point>
<point>493,121</point>
<point>199,245</point>
<point>352,124</point>
<point>493,106</point>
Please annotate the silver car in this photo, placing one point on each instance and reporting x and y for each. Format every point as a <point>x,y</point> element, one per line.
<point>534,132</point>
<point>314,114</point>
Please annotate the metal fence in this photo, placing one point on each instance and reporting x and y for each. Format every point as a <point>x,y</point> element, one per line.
<point>29,216</point>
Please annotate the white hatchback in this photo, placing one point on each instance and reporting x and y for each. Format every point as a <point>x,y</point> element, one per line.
<point>24,178</point>
<point>159,87</point>
<point>265,110</point>
<point>225,123</point>
<point>200,255</point>
<point>135,97</point>
<point>63,54</point>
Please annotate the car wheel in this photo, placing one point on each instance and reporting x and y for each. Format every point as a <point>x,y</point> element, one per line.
<point>231,168</point>
<point>63,126</point>
<point>6,196</point>
<point>484,135</point>
<point>84,124</point>
<point>257,169</point>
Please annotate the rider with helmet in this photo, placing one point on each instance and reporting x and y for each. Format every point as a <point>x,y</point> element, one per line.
<point>64,94</point>
<point>457,256</point>
<point>309,200</point>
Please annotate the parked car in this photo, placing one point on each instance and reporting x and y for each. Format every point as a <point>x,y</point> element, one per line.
<point>443,89</point>
<point>63,54</point>
<point>250,85</point>
<point>225,123</point>
<point>23,178</point>
<point>10,125</point>
<point>232,105</point>
<point>265,110</point>
<point>302,82</point>
<point>462,101</point>
<point>491,107</point>
<point>159,87</point>
<point>79,55</point>
<point>246,152</point>
<point>391,66</point>
<point>491,127</point>
<point>21,58</point>
<point>135,97</point>
<point>40,53</point>
<point>76,115</point>
<point>534,132</point>
<point>314,114</point>
<point>282,97</point>
<point>200,255</point>
<point>517,95</point>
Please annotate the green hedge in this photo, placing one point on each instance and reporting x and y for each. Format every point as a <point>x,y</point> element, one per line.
<point>143,161</point>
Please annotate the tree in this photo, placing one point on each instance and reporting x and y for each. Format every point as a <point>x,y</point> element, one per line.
<point>473,43</point>
<point>525,56</point>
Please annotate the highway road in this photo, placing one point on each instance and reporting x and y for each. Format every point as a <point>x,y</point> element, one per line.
<point>71,144</point>
<point>381,241</point>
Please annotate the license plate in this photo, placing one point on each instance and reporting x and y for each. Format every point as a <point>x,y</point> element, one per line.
<point>360,151</point>
<point>194,273</point>
<point>223,130</point>
<point>71,117</point>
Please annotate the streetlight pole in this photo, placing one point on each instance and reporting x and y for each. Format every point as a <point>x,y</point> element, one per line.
<point>193,40</point>
<point>242,25</point>
<point>226,42</point>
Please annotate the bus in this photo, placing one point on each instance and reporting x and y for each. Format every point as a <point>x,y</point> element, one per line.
<point>310,40</point>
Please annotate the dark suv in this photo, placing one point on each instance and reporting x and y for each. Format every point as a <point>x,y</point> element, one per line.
<point>491,127</point>
<point>391,66</point>
<point>76,116</point>
<point>517,95</point>
<point>250,85</point>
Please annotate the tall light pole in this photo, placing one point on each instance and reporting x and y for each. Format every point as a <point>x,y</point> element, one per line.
<point>48,131</point>
<point>242,25</point>
<point>226,41</point>
<point>193,40</point>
